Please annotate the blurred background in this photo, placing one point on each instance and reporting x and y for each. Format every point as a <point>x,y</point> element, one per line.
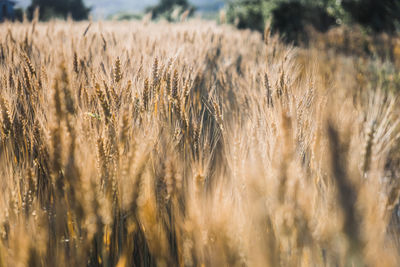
<point>365,28</point>
<point>105,9</point>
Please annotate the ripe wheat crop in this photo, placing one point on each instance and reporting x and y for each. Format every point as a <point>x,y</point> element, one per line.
<point>191,144</point>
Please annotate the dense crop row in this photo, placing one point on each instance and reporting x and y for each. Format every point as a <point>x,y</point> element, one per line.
<point>136,144</point>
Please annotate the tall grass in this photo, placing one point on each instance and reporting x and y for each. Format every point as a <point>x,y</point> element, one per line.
<point>136,144</point>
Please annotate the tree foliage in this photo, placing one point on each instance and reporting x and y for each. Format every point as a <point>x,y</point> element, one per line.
<point>59,8</point>
<point>167,8</point>
<point>378,16</point>
<point>290,17</point>
<point>292,20</point>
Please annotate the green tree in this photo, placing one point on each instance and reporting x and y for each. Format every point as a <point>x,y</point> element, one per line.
<point>290,18</point>
<point>375,15</point>
<point>248,13</point>
<point>59,8</point>
<point>165,8</point>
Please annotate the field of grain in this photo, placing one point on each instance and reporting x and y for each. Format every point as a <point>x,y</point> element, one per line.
<point>192,144</point>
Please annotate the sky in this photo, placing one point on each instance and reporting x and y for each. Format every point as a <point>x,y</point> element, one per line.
<point>103,8</point>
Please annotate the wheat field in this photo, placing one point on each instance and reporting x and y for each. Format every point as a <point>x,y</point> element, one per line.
<point>192,144</point>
